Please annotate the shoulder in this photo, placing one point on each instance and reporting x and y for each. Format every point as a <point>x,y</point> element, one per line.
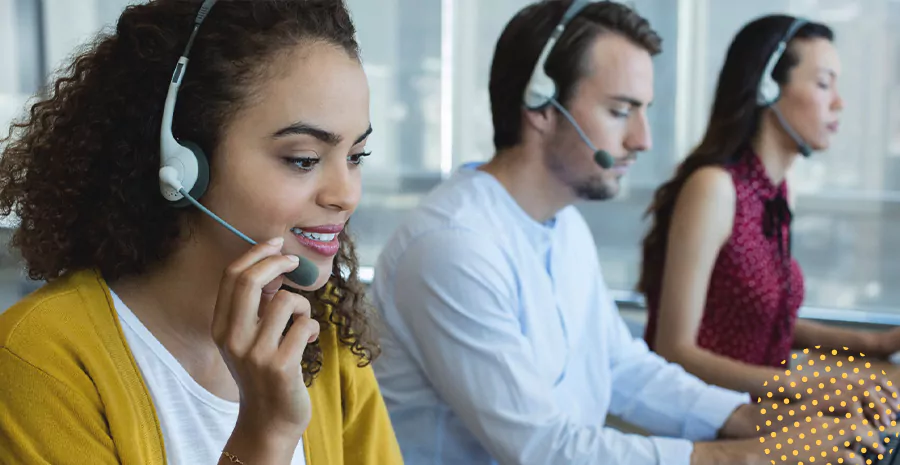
<point>65,313</point>
<point>714,181</point>
<point>440,255</point>
<point>470,201</point>
<point>66,336</point>
<point>709,191</point>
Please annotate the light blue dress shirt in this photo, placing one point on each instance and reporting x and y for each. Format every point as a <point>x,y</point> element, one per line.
<point>503,345</point>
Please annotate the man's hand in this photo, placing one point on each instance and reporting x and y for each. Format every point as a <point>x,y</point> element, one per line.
<point>829,439</point>
<point>878,396</point>
<point>754,420</point>
<point>850,386</point>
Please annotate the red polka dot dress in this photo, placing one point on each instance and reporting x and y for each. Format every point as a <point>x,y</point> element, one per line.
<point>756,286</point>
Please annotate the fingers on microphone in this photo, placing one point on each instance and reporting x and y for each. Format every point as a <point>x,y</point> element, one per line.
<point>276,317</point>
<point>304,331</point>
<point>241,289</point>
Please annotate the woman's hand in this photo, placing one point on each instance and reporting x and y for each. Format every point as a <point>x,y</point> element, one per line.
<point>878,396</point>
<point>868,393</point>
<point>249,319</point>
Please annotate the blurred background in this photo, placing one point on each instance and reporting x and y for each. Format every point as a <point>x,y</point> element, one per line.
<point>428,63</point>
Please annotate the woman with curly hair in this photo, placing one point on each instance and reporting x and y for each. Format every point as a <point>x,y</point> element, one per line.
<point>160,336</point>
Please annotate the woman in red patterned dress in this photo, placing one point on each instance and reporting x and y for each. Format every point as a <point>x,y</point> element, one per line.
<point>723,299</point>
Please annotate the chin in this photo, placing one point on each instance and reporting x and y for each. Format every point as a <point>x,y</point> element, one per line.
<point>820,146</point>
<point>604,190</point>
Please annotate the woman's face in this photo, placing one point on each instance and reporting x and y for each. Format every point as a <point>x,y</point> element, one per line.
<point>810,101</point>
<point>288,164</point>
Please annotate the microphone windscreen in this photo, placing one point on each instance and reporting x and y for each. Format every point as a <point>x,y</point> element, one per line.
<point>305,274</point>
<point>604,159</point>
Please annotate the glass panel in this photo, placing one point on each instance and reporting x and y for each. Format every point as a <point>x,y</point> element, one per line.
<point>401,47</point>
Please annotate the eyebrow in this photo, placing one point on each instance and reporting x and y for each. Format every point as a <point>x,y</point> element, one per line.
<point>364,135</point>
<point>629,100</point>
<point>305,129</point>
<point>829,71</point>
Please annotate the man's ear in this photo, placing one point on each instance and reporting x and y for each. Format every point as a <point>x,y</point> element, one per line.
<point>543,121</point>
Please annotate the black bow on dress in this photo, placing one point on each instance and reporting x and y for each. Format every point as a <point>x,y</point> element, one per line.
<point>778,213</point>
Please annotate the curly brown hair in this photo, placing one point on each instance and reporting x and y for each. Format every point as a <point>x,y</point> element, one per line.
<point>80,170</point>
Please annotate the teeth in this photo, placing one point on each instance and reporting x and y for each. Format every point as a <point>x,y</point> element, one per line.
<point>321,237</point>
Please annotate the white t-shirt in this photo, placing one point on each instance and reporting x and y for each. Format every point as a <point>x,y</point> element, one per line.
<point>195,423</point>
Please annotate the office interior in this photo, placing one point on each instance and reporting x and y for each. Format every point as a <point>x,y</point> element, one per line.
<point>428,62</point>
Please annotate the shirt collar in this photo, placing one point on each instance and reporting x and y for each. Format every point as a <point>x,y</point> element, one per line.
<point>751,168</point>
<point>539,234</point>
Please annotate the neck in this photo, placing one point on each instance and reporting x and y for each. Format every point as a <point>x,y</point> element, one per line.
<point>525,176</point>
<point>176,302</point>
<point>776,150</point>
<point>182,292</point>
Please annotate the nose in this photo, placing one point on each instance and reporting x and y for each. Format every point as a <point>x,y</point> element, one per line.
<point>639,138</point>
<point>340,187</point>
<point>837,104</point>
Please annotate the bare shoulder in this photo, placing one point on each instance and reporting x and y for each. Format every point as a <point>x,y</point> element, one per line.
<point>710,181</point>
<point>707,203</point>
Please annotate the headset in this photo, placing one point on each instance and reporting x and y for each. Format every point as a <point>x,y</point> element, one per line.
<point>769,91</point>
<point>542,91</point>
<point>184,168</point>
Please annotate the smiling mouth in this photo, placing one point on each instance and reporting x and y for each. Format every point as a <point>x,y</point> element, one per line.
<point>320,240</point>
<point>315,236</point>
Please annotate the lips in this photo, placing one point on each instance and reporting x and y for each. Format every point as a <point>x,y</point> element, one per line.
<point>323,229</point>
<point>623,166</point>
<point>322,240</point>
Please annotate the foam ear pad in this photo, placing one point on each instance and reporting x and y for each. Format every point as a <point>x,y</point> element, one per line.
<point>202,173</point>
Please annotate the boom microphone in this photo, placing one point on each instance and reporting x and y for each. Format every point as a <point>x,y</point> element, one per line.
<point>802,146</point>
<point>601,157</point>
<point>306,272</point>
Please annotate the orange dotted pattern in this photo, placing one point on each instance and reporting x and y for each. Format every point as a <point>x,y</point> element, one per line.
<point>822,376</point>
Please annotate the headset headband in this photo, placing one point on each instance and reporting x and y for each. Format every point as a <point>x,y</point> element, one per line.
<point>541,89</point>
<point>171,152</point>
<point>769,91</point>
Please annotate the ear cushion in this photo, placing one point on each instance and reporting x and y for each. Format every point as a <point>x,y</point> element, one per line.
<point>769,91</point>
<point>202,173</point>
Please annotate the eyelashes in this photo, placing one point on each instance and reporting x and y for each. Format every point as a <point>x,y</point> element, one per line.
<point>308,163</point>
<point>357,158</point>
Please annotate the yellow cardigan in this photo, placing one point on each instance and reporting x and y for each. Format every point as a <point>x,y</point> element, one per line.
<point>71,392</point>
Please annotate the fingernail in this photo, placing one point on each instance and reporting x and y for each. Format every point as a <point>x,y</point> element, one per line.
<point>294,258</point>
<point>276,241</point>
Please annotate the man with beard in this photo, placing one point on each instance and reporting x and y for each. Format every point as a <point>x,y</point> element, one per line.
<point>502,343</point>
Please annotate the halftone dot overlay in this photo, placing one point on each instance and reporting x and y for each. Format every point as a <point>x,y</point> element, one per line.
<point>817,380</point>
